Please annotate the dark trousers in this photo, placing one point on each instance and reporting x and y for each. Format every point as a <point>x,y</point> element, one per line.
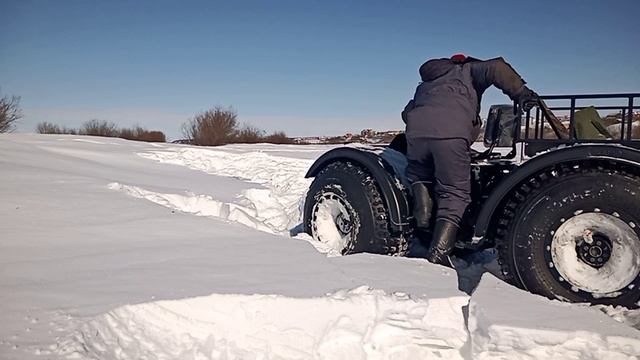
<point>445,166</point>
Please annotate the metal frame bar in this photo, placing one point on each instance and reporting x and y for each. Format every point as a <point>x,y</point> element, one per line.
<point>538,141</point>
<point>597,107</point>
<point>626,110</point>
<point>590,96</point>
<point>630,115</point>
<point>623,124</point>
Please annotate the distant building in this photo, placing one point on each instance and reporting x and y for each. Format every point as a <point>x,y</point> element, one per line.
<point>309,140</point>
<point>366,136</point>
<point>367,133</point>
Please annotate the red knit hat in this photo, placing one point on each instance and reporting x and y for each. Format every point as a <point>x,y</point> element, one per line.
<point>458,57</point>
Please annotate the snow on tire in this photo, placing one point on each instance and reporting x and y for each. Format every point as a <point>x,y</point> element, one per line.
<point>345,210</point>
<point>573,234</point>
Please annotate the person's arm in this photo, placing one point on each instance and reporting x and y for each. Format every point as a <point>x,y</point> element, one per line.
<point>498,73</point>
<point>410,105</point>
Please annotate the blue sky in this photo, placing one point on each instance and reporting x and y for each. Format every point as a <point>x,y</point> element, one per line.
<point>305,67</point>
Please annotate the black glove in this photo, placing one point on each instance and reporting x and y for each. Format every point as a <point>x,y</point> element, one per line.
<point>528,98</point>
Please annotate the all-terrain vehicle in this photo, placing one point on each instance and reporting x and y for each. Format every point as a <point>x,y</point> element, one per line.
<point>560,201</point>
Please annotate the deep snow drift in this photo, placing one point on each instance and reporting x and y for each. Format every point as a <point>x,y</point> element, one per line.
<point>111,249</point>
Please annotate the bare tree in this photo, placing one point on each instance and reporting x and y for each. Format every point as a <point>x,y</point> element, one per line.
<point>50,128</point>
<point>216,126</point>
<point>249,135</point>
<point>10,113</point>
<point>99,128</point>
<point>278,137</point>
<point>141,134</point>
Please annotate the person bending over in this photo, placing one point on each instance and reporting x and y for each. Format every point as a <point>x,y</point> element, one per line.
<point>442,121</point>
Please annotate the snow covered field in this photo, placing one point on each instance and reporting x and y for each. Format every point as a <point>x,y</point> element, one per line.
<point>111,249</point>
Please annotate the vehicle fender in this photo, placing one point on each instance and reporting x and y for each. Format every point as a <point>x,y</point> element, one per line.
<point>614,153</point>
<point>387,173</point>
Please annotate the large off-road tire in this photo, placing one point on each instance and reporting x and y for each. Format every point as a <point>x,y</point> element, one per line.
<point>573,233</point>
<point>344,209</point>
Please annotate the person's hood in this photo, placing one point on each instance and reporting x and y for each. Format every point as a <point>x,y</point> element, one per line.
<point>435,68</point>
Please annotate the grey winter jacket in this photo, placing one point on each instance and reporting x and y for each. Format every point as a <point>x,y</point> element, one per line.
<point>447,103</point>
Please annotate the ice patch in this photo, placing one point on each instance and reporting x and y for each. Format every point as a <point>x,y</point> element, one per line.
<point>358,324</point>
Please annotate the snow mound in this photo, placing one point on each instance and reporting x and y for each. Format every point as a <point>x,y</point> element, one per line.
<point>204,205</point>
<point>621,314</point>
<point>358,324</point>
<point>284,175</point>
<point>260,213</point>
<point>615,129</point>
<point>277,205</point>
<point>518,325</point>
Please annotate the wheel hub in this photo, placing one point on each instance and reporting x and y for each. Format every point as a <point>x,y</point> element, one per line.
<point>597,253</point>
<point>594,249</point>
<point>343,223</point>
<point>334,221</point>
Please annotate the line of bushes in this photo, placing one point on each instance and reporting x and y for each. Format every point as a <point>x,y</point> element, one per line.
<point>219,126</point>
<point>104,128</point>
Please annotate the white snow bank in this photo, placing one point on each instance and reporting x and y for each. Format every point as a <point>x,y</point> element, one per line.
<point>508,323</point>
<point>279,206</point>
<point>201,205</point>
<point>350,325</point>
<point>614,129</point>
<point>622,314</point>
<point>280,173</point>
<point>260,211</point>
<point>74,253</point>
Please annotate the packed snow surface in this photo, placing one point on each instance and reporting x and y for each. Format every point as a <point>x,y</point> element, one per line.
<point>358,324</point>
<point>111,249</point>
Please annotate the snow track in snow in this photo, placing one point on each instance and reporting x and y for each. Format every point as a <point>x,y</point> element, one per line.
<point>276,207</point>
<point>260,213</point>
<point>204,205</point>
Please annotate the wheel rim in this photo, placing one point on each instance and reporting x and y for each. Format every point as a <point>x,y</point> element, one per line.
<point>334,222</point>
<point>597,253</point>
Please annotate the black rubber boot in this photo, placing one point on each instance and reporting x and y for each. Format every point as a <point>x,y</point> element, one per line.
<point>422,205</point>
<point>443,242</point>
